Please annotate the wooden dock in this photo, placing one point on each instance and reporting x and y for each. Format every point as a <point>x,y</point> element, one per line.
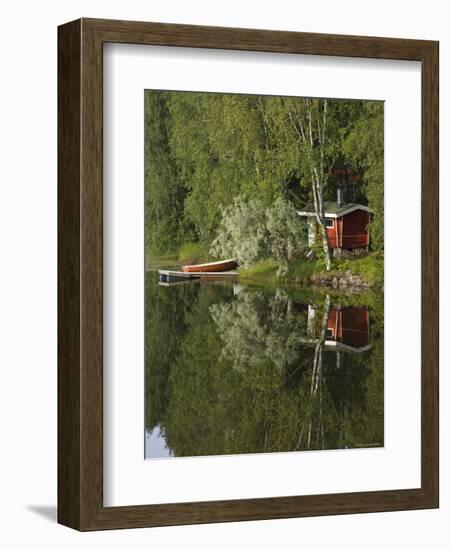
<point>169,276</point>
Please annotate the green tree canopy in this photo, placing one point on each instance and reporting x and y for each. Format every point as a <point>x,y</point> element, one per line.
<point>204,149</point>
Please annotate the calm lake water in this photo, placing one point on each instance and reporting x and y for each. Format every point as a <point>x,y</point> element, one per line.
<point>236,369</point>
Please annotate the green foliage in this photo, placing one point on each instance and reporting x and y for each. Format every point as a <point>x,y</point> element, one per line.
<point>164,190</point>
<point>288,235</point>
<point>249,231</point>
<point>364,146</point>
<point>242,233</point>
<point>370,267</point>
<point>204,150</point>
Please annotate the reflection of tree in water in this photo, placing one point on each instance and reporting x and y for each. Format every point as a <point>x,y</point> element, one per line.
<point>255,327</point>
<point>250,377</point>
<point>317,379</point>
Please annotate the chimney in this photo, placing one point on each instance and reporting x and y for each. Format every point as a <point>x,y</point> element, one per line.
<point>340,195</point>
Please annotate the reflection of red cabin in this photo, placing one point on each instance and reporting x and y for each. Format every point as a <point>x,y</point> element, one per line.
<point>348,326</point>
<point>347,225</point>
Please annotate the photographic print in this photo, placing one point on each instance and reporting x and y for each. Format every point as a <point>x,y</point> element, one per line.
<point>264,304</point>
<point>221,275</point>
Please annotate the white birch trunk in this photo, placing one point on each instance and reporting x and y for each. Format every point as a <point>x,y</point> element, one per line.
<point>315,141</point>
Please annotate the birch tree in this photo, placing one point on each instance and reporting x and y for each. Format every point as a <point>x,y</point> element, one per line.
<point>312,124</point>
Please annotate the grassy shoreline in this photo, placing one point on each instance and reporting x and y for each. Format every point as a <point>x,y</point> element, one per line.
<point>300,272</point>
<point>369,268</point>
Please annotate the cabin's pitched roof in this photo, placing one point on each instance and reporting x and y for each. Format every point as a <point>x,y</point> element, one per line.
<point>333,210</point>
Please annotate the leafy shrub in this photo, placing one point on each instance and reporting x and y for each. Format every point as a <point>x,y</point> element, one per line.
<point>242,233</point>
<point>249,232</point>
<point>287,233</point>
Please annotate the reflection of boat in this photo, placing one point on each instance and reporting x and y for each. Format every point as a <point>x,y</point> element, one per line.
<point>170,276</point>
<point>165,281</point>
<point>211,267</point>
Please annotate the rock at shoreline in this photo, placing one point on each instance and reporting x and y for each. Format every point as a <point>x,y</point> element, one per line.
<point>355,280</point>
<point>341,280</point>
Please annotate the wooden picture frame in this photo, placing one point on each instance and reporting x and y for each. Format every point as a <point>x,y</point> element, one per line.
<point>80,272</point>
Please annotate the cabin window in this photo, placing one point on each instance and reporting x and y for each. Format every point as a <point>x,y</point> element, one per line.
<point>329,222</point>
<point>329,333</point>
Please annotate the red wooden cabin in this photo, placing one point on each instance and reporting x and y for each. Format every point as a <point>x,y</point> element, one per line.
<point>347,225</point>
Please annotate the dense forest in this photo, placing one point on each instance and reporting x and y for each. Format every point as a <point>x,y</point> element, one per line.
<point>220,167</point>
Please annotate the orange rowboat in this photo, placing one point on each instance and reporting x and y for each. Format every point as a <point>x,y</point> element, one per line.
<point>212,267</point>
